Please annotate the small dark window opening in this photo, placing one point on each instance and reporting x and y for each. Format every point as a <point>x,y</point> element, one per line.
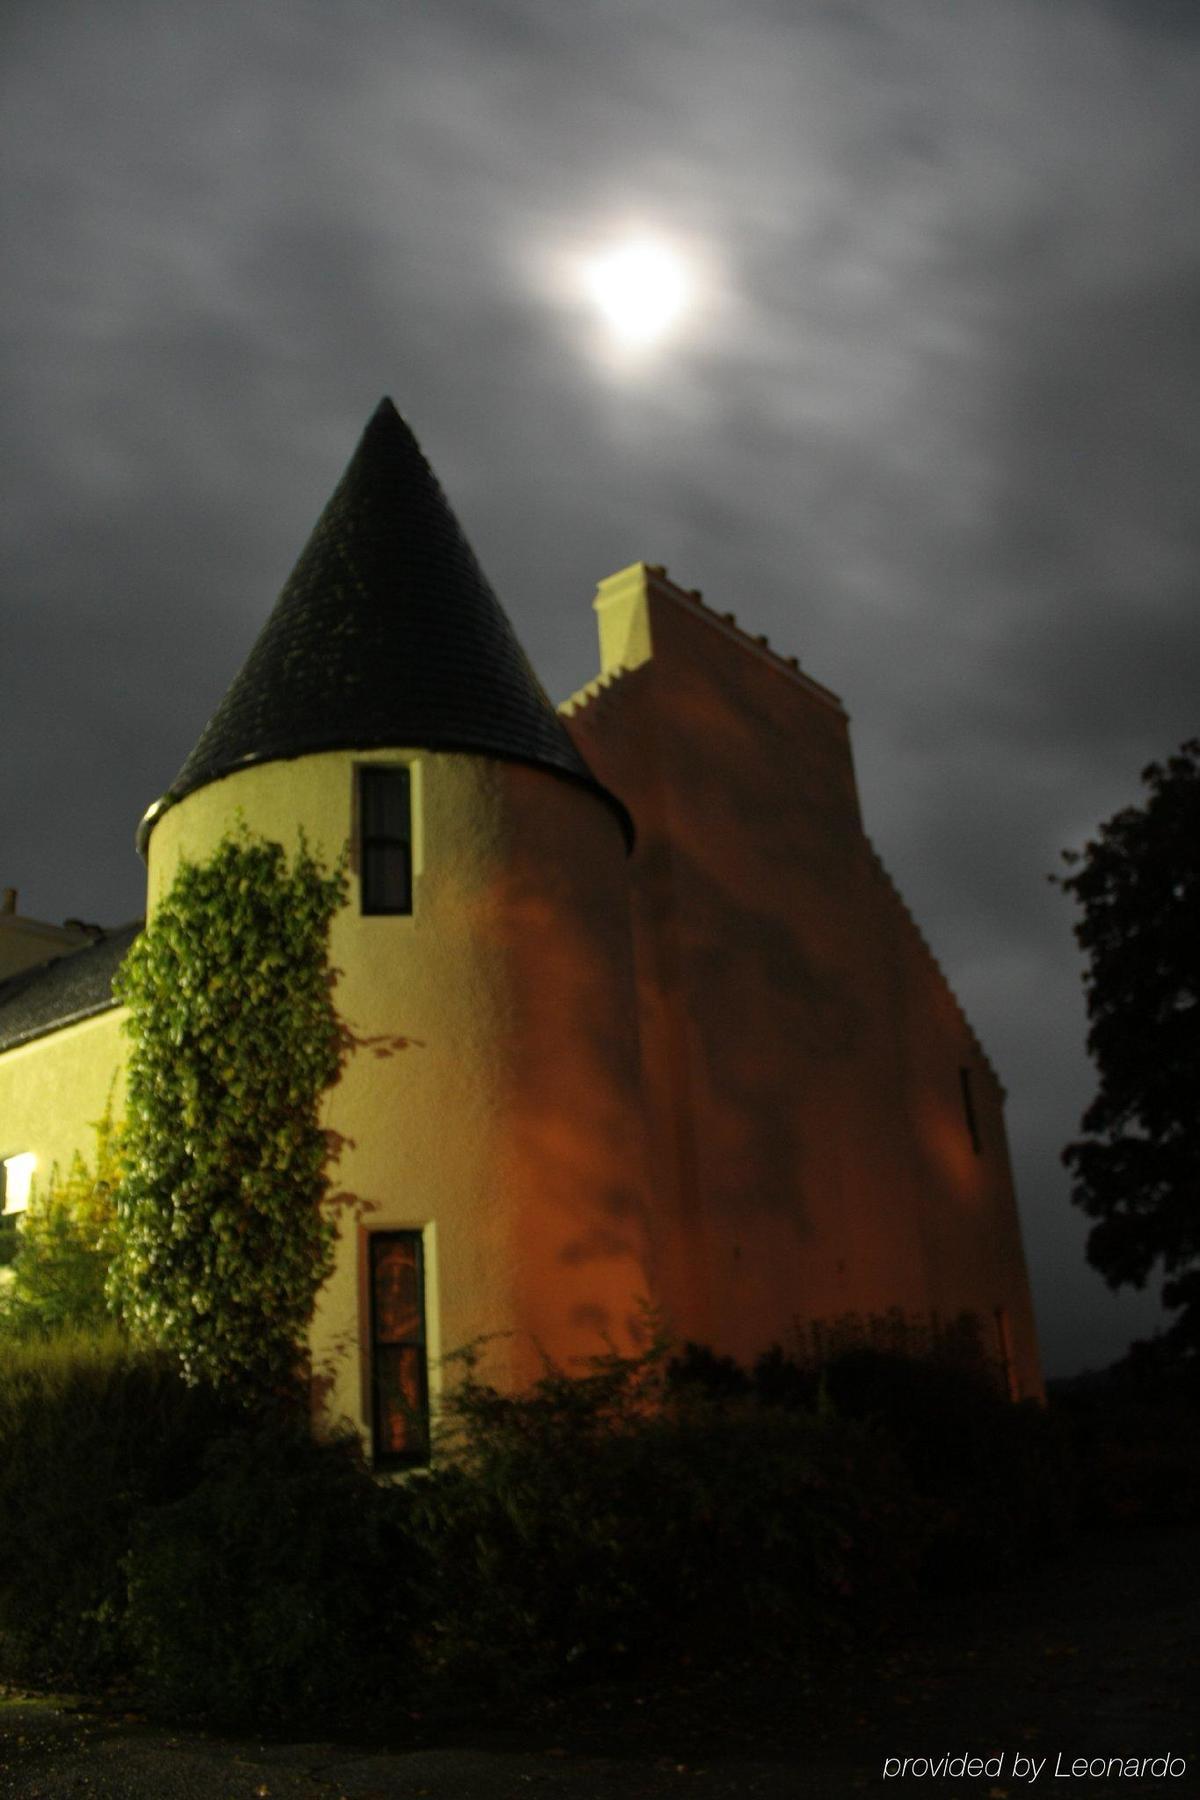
<point>385,839</point>
<point>399,1366</point>
<point>1004,1342</point>
<point>968,1100</point>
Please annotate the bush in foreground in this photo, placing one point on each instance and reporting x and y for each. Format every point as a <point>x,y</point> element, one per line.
<point>265,1593</point>
<point>996,1477</point>
<point>595,1523</point>
<point>1133,1437</point>
<point>996,1481</point>
<point>606,1520</point>
<point>92,1433</point>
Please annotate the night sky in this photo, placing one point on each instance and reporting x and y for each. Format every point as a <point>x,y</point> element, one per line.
<point>929,420</point>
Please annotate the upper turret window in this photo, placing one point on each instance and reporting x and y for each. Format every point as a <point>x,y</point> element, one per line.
<point>385,838</point>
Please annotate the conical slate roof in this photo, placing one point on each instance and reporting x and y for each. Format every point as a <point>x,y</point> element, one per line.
<point>386,633</point>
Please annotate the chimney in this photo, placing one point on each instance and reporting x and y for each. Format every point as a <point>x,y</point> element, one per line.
<point>8,904</point>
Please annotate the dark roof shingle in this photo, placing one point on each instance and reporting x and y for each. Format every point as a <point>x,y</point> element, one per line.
<point>62,992</point>
<point>386,633</point>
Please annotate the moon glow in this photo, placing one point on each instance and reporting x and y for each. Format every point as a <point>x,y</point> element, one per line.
<point>640,288</point>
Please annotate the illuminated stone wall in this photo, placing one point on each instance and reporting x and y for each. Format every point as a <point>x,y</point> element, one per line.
<point>810,1151</point>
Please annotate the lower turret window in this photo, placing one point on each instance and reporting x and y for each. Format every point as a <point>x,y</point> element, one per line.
<point>385,839</point>
<point>399,1366</point>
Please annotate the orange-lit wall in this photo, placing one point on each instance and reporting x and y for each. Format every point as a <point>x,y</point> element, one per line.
<point>801,1050</point>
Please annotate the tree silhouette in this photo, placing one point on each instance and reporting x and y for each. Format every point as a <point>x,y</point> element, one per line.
<point>1137,1169</point>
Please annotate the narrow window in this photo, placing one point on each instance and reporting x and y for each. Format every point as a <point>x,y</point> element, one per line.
<point>385,839</point>
<point>968,1100</point>
<point>1004,1342</point>
<point>399,1371</point>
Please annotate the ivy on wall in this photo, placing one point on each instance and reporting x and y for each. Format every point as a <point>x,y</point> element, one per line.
<point>221,1241</point>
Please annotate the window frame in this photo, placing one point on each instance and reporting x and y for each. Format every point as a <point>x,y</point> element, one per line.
<point>370,905</point>
<point>418,1455</point>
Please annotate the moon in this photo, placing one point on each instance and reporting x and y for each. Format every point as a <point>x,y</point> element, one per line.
<point>640,287</point>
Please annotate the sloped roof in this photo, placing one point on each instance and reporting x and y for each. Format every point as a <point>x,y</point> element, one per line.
<point>386,633</point>
<point>63,991</point>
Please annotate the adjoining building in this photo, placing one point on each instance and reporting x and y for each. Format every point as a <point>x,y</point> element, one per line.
<point>671,1034</point>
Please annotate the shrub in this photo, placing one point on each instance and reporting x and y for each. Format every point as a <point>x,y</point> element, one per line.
<point>1133,1434</point>
<point>265,1592</point>
<point>610,1520</point>
<point>605,1519</point>
<point>91,1431</point>
<point>997,1479</point>
<point>997,1476</point>
<point>61,1250</point>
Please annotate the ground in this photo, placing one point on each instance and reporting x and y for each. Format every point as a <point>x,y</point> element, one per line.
<point>1096,1656</point>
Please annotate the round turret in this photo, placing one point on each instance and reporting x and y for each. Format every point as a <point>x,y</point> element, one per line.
<point>490,1112</point>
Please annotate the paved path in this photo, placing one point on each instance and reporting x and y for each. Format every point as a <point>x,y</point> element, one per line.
<point>1100,1657</point>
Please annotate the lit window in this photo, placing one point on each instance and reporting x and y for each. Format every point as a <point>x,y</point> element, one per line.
<point>385,839</point>
<point>16,1175</point>
<point>399,1369</point>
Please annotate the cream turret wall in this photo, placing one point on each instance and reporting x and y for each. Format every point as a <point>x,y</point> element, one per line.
<point>507,1126</point>
<point>809,1148</point>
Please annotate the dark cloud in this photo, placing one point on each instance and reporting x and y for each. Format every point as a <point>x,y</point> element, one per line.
<point>933,428</point>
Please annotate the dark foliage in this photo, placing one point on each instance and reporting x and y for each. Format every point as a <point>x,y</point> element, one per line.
<point>265,1593</point>
<point>1133,1436</point>
<point>91,1434</point>
<point>602,1521</point>
<point>994,1479</point>
<point>1136,1171</point>
<point>591,1525</point>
